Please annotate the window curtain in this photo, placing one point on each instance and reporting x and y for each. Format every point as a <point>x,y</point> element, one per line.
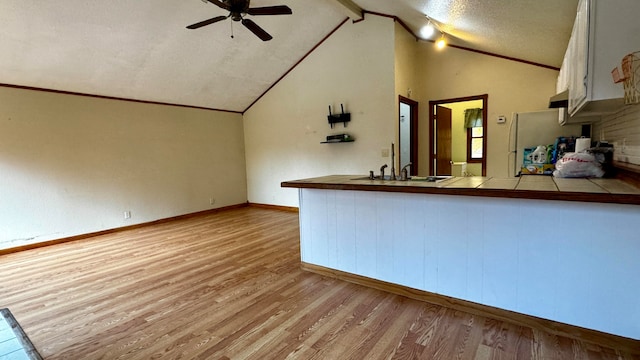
<point>473,118</point>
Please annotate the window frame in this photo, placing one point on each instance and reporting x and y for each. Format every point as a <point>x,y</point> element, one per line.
<point>469,139</point>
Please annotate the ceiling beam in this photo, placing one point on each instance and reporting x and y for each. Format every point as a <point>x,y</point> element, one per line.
<point>351,9</point>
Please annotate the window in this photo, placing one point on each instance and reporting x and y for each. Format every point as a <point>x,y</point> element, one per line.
<point>475,134</point>
<point>475,140</point>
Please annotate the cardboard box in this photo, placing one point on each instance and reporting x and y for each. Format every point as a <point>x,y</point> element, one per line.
<point>537,169</point>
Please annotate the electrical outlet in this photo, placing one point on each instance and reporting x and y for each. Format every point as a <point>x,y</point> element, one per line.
<point>127,215</point>
<point>212,200</point>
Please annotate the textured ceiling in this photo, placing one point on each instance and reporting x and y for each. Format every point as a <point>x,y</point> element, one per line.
<point>141,49</point>
<point>537,31</point>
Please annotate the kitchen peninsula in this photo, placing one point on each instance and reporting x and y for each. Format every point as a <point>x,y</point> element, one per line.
<point>564,250</point>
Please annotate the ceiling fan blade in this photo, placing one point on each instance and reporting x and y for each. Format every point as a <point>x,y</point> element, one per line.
<point>270,10</point>
<point>206,22</point>
<point>220,4</point>
<point>257,30</point>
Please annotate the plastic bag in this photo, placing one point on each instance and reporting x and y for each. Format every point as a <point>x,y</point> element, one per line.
<point>582,164</point>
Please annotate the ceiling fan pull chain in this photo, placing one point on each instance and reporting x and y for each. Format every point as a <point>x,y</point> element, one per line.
<point>231,22</point>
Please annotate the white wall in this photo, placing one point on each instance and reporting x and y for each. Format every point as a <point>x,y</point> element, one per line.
<point>72,165</point>
<point>283,131</point>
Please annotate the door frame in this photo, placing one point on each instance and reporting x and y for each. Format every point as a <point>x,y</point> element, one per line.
<point>485,105</point>
<point>413,151</point>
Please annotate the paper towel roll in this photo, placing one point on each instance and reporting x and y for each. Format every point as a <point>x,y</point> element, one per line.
<point>583,144</point>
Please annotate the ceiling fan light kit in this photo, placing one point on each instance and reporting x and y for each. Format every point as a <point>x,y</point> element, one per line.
<point>238,9</point>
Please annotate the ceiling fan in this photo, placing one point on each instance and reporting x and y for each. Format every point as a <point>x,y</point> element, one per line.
<point>238,9</point>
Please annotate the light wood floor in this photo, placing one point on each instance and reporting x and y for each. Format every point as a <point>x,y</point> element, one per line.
<point>229,286</point>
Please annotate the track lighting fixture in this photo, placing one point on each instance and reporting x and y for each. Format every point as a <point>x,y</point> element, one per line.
<point>428,30</point>
<point>442,42</point>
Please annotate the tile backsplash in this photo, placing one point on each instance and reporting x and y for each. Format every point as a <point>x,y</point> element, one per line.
<point>622,129</point>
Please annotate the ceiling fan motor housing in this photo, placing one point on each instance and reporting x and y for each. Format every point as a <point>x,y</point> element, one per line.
<point>238,8</point>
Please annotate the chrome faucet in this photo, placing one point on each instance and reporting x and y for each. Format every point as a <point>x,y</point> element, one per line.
<point>404,173</point>
<point>392,176</point>
<point>382,171</point>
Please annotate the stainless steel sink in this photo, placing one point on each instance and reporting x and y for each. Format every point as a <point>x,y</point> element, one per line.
<point>425,179</point>
<point>377,177</point>
<point>431,178</point>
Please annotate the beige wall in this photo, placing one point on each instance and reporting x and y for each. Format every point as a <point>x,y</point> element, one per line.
<point>366,66</point>
<point>71,165</point>
<point>405,63</point>
<point>283,130</point>
<point>406,82</point>
<point>511,86</point>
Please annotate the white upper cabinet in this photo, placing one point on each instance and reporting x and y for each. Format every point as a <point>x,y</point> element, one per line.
<point>603,33</point>
<point>579,55</point>
<point>563,77</point>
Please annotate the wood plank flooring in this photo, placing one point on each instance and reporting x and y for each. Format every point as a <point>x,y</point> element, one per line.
<point>229,286</point>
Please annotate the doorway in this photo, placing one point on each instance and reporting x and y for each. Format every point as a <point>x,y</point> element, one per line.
<point>456,141</point>
<point>408,125</point>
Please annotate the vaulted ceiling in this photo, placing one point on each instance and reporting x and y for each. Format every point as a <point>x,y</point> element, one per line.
<point>142,50</point>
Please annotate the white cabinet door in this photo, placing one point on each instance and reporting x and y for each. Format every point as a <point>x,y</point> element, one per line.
<point>579,55</point>
<point>563,77</point>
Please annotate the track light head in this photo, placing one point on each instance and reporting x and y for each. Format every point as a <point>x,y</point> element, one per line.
<point>441,43</point>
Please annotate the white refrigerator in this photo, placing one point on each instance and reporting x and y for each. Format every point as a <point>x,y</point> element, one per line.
<point>531,129</point>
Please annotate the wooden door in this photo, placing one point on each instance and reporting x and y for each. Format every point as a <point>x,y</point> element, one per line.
<point>443,141</point>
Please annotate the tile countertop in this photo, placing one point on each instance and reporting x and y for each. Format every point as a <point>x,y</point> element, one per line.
<point>525,187</point>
